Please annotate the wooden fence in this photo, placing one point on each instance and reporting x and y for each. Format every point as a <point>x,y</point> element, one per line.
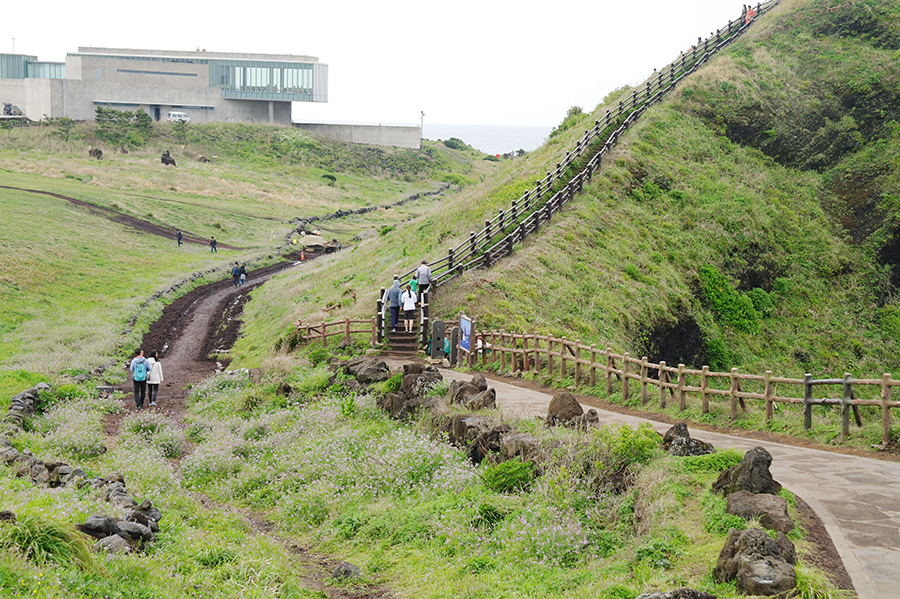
<point>324,330</point>
<point>589,365</point>
<point>526,214</point>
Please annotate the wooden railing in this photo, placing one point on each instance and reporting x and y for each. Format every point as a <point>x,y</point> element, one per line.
<point>589,365</point>
<point>323,330</point>
<point>529,212</point>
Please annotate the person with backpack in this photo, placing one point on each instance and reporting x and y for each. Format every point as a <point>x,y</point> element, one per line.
<point>154,377</point>
<point>235,275</point>
<point>140,369</point>
<point>242,273</point>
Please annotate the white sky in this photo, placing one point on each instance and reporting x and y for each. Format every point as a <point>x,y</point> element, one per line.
<point>488,62</point>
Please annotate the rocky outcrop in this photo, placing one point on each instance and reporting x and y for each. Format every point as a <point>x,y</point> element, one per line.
<point>756,563</point>
<point>368,370</point>
<point>678,442</point>
<point>771,510</point>
<point>564,409</point>
<point>752,475</point>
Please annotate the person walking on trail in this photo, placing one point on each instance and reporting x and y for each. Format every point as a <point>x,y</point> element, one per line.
<point>179,237</point>
<point>242,273</point>
<point>140,369</point>
<point>212,246</point>
<point>408,299</point>
<point>423,275</point>
<point>154,378</point>
<point>393,297</point>
<point>235,275</point>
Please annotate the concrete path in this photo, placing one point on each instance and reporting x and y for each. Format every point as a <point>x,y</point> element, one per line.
<point>857,499</point>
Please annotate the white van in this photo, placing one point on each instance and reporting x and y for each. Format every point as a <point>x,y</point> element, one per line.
<point>175,117</point>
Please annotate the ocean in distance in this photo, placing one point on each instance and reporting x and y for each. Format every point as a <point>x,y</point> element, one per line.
<point>490,139</point>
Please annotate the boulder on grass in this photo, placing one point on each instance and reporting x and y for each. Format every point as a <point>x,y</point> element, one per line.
<point>752,475</point>
<point>756,563</point>
<point>771,510</point>
<point>564,408</point>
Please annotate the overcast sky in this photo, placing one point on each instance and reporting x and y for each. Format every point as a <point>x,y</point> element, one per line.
<point>491,62</point>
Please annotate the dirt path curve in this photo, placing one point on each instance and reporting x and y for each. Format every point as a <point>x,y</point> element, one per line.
<point>124,219</point>
<point>856,498</point>
<point>190,328</point>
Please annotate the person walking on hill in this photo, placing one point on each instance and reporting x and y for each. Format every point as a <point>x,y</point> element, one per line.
<point>154,378</point>
<point>408,299</point>
<point>242,273</point>
<point>212,246</point>
<point>235,275</point>
<point>393,297</point>
<point>179,237</point>
<point>140,369</point>
<point>423,275</point>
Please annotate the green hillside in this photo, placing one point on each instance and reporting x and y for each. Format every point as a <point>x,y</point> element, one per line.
<point>750,220</point>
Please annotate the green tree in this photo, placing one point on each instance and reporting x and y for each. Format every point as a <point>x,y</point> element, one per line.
<point>63,125</point>
<point>8,125</point>
<point>181,130</point>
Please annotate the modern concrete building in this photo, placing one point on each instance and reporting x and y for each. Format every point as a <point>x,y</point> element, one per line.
<point>208,86</point>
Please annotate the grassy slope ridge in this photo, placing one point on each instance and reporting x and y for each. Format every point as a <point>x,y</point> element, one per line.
<point>71,280</point>
<point>623,267</point>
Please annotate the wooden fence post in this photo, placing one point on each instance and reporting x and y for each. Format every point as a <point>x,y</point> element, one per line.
<point>610,364</point>
<point>593,370</point>
<point>644,369</point>
<point>733,393</point>
<point>704,387</point>
<point>526,363</point>
<point>549,357</point>
<point>450,260</point>
<point>577,362</point>
<point>625,383</point>
<point>845,405</point>
<point>324,335</point>
<point>502,352</point>
<point>379,314</point>
<point>807,401</point>
<point>472,242</point>
<point>562,357</point>
<point>663,378</point>
<point>769,392</point>
<point>885,409</point>
<point>681,381</point>
<point>347,331</point>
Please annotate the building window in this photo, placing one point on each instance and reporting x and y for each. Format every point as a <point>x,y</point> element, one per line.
<point>98,74</point>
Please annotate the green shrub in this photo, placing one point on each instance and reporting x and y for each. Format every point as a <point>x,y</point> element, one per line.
<point>659,550</point>
<point>509,477</point>
<point>716,521</point>
<point>628,445</point>
<point>732,308</point>
<point>456,144</point>
<point>317,354</point>
<point>49,542</point>
<point>713,462</point>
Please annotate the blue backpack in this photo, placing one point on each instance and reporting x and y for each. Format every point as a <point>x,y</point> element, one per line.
<point>140,371</point>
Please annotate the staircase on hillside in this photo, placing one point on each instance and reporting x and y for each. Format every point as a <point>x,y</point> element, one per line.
<point>402,343</point>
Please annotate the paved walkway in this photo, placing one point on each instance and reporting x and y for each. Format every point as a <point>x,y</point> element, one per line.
<point>857,499</point>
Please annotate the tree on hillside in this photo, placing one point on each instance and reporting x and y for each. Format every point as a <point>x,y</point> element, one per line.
<point>8,125</point>
<point>63,125</point>
<point>123,128</point>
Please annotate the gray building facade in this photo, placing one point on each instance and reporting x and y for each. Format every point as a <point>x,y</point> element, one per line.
<point>208,86</point>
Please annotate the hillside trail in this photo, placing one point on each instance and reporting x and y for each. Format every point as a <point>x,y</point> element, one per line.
<point>190,328</point>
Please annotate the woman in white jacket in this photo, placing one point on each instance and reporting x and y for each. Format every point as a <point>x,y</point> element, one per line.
<point>408,301</point>
<point>154,377</point>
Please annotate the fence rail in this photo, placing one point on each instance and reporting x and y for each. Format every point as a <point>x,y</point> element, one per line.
<point>527,213</point>
<point>323,330</point>
<point>587,364</point>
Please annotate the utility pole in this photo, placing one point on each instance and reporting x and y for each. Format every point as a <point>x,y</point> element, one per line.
<point>422,126</point>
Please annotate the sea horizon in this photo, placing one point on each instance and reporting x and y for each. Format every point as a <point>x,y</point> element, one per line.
<point>490,139</point>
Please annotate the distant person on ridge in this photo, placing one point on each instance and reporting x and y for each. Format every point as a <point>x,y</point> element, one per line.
<point>212,246</point>
<point>235,275</point>
<point>178,236</point>
<point>423,275</point>
<point>140,370</point>
<point>393,297</point>
<point>154,378</point>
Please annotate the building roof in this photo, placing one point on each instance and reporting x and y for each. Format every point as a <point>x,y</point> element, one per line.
<point>196,54</point>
